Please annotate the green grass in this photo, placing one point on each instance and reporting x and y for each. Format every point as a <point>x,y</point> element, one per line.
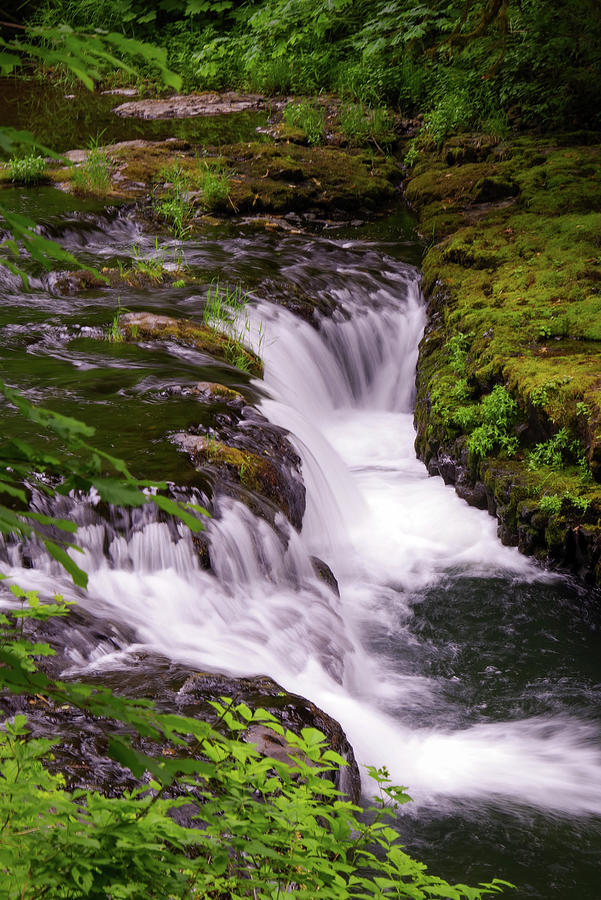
<point>26,169</point>
<point>310,117</point>
<point>93,176</point>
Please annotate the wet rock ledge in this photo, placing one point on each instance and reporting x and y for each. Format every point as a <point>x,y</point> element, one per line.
<point>508,381</point>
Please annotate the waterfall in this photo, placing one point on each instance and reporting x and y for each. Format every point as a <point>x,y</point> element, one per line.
<point>344,391</point>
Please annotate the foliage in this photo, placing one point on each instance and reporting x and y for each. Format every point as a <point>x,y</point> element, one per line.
<point>94,174</point>
<point>174,206</point>
<point>310,117</point>
<point>550,504</point>
<point>497,413</point>
<point>362,124</point>
<point>26,169</point>
<point>213,181</point>
<point>225,311</point>
<point>113,334</point>
<point>80,466</point>
<point>262,827</point>
<point>556,453</point>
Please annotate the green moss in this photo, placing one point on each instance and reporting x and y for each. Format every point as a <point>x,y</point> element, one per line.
<point>517,268</point>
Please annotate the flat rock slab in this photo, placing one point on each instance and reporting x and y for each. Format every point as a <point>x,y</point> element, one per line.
<point>178,107</point>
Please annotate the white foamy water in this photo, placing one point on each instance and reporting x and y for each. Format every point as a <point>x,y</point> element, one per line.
<point>345,393</point>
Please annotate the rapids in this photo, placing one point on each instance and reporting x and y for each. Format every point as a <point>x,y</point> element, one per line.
<point>459,664</point>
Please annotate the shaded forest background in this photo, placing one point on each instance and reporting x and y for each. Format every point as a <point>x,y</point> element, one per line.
<point>493,65</point>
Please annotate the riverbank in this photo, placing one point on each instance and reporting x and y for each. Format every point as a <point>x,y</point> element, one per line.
<point>508,386</point>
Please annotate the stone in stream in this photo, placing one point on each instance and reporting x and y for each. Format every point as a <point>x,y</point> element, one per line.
<point>82,754</point>
<point>190,105</point>
<point>271,469</point>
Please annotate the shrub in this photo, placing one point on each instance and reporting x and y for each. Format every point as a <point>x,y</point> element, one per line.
<point>556,453</point>
<point>94,174</point>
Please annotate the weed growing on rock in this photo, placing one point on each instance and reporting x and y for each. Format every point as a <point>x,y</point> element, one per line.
<point>225,311</point>
<point>550,504</point>
<point>498,413</point>
<point>310,117</point>
<point>93,176</point>
<point>214,183</point>
<point>26,169</point>
<point>114,335</point>
<point>361,124</point>
<point>556,453</point>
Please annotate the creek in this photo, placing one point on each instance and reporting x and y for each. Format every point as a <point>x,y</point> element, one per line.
<point>470,672</point>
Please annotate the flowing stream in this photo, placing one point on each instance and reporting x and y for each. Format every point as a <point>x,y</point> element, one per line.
<point>472,674</point>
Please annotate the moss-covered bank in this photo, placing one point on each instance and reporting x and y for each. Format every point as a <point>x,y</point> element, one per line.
<point>509,374</point>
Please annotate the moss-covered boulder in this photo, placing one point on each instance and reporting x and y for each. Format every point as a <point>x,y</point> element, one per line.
<point>267,473</point>
<point>513,282</point>
<point>253,177</point>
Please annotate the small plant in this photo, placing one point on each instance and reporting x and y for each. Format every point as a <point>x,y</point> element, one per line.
<point>580,503</point>
<point>114,335</point>
<point>498,413</point>
<point>541,395</point>
<point>26,169</point>
<point>214,183</point>
<point>310,117</point>
<point>180,283</point>
<point>583,410</point>
<point>94,174</point>
<point>457,347</point>
<point>361,124</point>
<point>175,207</point>
<point>550,504</point>
<point>557,453</point>
<point>152,267</point>
<point>412,155</point>
<point>225,311</point>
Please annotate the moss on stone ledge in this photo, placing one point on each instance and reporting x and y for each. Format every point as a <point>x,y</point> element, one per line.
<point>513,281</point>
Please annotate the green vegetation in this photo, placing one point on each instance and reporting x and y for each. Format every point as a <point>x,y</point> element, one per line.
<point>310,117</point>
<point>93,175</point>
<point>26,170</point>
<point>486,64</point>
<point>362,124</point>
<point>497,413</point>
<point>225,311</point>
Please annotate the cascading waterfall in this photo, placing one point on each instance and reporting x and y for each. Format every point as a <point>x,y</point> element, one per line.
<point>344,392</point>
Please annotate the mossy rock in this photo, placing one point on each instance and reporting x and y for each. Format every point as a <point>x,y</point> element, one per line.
<point>515,277</point>
<point>262,176</point>
<point>149,326</point>
<point>256,473</point>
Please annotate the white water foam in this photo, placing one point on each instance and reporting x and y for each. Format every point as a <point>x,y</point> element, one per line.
<point>385,528</point>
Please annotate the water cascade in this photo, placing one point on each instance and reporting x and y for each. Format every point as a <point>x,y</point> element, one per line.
<point>395,540</point>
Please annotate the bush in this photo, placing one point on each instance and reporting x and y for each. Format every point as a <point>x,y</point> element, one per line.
<point>497,412</point>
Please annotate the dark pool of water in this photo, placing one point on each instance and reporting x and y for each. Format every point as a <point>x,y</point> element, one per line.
<point>63,122</point>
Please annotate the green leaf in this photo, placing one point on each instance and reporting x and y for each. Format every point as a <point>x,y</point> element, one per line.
<point>175,509</point>
<point>79,577</point>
